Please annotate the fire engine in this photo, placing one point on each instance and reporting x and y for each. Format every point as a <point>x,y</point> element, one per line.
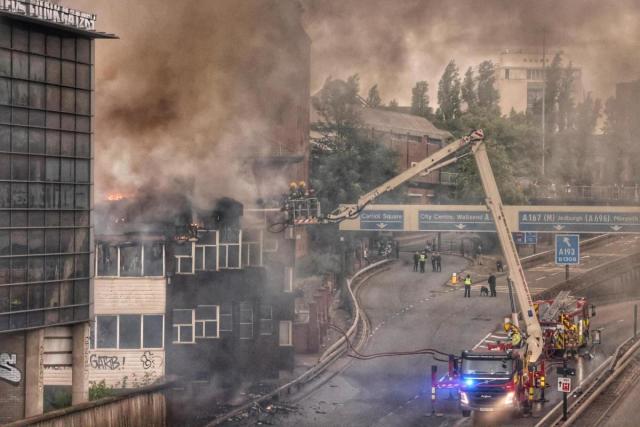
<point>507,376</point>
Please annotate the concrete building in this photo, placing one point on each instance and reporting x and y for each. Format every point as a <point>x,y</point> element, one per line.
<point>46,151</point>
<point>520,77</point>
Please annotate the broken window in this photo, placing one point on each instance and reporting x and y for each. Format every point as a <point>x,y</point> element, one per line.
<point>183,326</point>
<point>107,255</point>
<point>285,337</point>
<point>246,321</point>
<point>230,242</point>
<point>266,320</point>
<point>131,260</point>
<point>184,258</point>
<point>153,259</point>
<point>207,325</point>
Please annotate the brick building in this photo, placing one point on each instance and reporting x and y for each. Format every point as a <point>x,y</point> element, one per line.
<point>46,152</point>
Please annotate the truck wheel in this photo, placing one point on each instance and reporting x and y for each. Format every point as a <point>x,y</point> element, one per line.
<point>466,414</point>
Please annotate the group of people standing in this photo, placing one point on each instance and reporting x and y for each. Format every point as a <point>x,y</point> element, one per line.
<point>420,261</point>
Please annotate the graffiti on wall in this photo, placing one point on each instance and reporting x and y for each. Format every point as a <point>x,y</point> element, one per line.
<point>110,363</point>
<point>150,360</point>
<point>8,370</point>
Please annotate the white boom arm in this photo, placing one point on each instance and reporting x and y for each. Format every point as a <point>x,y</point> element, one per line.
<point>426,166</point>
<point>516,273</point>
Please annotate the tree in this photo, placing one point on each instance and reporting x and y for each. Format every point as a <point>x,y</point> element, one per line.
<point>565,100</point>
<point>469,90</point>
<point>338,105</point>
<point>488,95</point>
<point>373,99</point>
<point>449,93</point>
<point>420,100</point>
<point>393,104</point>
<point>553,82</point>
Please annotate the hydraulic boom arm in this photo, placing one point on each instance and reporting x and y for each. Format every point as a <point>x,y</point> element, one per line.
<point>516,273</point>
<point>434,162</point>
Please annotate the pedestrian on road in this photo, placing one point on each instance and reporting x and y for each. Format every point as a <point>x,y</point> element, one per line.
<point>416,260</point>
<point>467,286</point>
<point>492,284</point>
<point>366,255</point>
<point>499,265</point>
<point>423,261</point>
<point>439,262</point>
<point>434,257</point>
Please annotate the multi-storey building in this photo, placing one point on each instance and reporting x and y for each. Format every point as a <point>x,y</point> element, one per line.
<point>229,317</point>
<point>520,77</point>
<point>46,152</point>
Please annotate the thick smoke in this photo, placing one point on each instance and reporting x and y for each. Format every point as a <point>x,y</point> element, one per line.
<point>396,43</point>
<point>186,95</point>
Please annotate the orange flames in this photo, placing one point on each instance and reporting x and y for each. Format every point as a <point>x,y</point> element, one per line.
<point>114,196</point>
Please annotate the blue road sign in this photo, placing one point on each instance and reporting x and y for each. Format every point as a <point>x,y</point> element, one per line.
<point>381,220</point>
<point>582,222</point>
<point>518,238</point>
<point>567,249</point>
<point>455,221</point>
<point>530,238</point>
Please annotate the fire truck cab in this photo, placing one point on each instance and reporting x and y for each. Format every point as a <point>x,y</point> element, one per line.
<point>488,382</point>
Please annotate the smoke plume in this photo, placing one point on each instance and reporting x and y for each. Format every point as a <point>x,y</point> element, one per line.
<point>187,94</point>
<point>396,43</point>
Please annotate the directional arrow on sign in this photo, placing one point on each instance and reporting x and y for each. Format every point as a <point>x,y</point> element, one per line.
<point>460,226</point>
<point>558,227</point>
<point>381,225</point>
<point>616,227</point>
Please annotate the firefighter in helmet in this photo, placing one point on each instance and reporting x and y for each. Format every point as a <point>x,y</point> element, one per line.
<point>302,190</point>
<point>293,190</point>
<point>514,334</point>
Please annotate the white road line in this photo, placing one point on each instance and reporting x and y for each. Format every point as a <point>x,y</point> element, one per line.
<point>541,278</point>
<point>482,340</point>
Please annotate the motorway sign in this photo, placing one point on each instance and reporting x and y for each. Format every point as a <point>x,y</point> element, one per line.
<point>564,384</point>
<point>382,220</point>
<point>526,238</point>
<point>567,249</point>
<point>455,221</point>
<point>583,222</point>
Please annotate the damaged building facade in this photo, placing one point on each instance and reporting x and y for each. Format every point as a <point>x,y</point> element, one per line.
<point>46,151</point>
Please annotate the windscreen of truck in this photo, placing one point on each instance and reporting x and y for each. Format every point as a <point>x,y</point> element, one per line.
<point>487,366</point>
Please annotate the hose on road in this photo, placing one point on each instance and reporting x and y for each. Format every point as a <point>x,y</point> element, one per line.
<point>357,355</point>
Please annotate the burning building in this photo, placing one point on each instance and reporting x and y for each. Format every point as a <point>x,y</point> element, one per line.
<point>46,152</point>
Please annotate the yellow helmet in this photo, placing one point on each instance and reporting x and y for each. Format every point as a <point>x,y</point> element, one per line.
<point>293,185</point>
<point>302,184</point>
<point>506,326</point>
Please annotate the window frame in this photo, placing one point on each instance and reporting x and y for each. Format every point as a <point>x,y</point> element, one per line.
<point>179,325</point>
<point>289,341</point>
<point>263,320</point>
<point>98,251</point>
<point>226,314</point>
<point>203,323</point>
<point>94,335</point>
<point>241,323</point>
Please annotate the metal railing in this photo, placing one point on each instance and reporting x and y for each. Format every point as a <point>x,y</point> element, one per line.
<point>629,194</point>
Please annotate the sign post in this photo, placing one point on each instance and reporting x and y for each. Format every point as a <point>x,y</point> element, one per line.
<point>567,251</point>
<point>564,385</point>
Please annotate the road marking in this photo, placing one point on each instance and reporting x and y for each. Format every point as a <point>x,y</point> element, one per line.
<point>541,278</point>
<point>482,340</point>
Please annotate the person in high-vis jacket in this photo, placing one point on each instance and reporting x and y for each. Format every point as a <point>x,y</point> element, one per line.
<point>467,286</point>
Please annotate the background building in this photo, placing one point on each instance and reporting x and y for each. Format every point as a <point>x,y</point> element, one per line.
<point>520,77</point>
<point>46,150</point>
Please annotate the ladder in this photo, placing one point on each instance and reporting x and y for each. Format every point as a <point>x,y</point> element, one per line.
<point>561,301</point>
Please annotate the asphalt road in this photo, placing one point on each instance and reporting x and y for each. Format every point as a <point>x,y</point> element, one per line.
<point>410,311</point>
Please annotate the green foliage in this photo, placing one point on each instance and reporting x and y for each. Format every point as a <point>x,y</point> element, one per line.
<point>338,106</point>
<point>488,95</point>
<point>373,99</point>
<point>449,93</point>
<point>58,398</point>
<point>469,90</point>
<point>393,104</point>
<point>420,100</point>
<point>99,390</point>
